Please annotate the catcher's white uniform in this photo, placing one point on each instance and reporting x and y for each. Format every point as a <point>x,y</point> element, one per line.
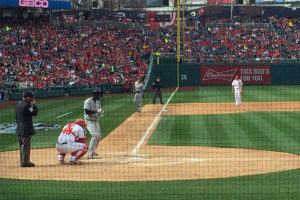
<point>237,84</point>
<point>72,140</point>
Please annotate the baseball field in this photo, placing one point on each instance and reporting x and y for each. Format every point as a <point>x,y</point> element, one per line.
<point>198,145</point>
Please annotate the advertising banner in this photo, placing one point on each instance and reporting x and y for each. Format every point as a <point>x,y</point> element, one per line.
<point>37,3</point>
<point>11,128</point>
<point>161,19</point>
<point>224,75</point>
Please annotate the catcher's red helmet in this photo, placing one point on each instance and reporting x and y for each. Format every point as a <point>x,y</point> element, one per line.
<point>80,122</point>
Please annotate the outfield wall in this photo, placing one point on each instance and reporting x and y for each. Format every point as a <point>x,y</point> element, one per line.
<point>213,74</point>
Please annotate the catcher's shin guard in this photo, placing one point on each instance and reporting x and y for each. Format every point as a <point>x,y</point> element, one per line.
<point>78,154</point>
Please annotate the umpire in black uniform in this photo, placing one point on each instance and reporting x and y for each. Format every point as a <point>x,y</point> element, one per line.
<point>157,86</point>
<point>25,109</point>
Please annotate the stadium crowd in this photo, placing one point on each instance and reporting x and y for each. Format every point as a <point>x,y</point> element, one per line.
<point>41,54</point>
<point>219,41</point>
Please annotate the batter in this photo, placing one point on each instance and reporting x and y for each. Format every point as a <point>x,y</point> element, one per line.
<point>92,112</point>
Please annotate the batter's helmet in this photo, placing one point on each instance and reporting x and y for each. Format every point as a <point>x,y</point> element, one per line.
<point>97,91</point>
<point>80,122</point>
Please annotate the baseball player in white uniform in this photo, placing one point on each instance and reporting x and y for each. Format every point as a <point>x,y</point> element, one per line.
<point>92,112</point>
<point>138,97</point>
<point>237,88</point>
<point>72,140</point>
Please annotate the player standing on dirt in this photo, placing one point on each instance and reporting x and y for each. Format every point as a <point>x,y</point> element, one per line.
<point>24,111</point>
<point>92,112</point>
<point>138,97</point>
<point>237,89</point>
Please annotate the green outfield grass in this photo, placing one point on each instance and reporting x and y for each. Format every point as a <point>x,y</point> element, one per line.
<point>250,93</point>
<point>277,131</point>
<point>275,186</point>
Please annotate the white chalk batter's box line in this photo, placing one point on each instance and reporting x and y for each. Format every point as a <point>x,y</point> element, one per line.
<point>140,157</point>
<point>144,160</point>
<point>152,162</point>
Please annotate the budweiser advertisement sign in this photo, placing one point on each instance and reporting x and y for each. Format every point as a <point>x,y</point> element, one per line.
<point>216,75</point>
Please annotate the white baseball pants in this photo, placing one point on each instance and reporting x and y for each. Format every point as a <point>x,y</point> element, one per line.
<point>238,97</point>
<point>94,128</point>
<point>70,147</point>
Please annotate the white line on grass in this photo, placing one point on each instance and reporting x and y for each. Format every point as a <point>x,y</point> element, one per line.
<point>64,115</point>
<point>152,124</point>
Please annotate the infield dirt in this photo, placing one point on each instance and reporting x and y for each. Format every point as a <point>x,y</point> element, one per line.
<point>125,155</point>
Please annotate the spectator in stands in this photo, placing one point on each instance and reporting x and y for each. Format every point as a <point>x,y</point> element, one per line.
<point>74,55</point>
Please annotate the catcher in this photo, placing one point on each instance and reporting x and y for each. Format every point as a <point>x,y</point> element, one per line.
<point>72,140</point>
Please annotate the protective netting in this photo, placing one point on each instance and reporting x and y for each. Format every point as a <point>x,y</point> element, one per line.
<point>106,129</point>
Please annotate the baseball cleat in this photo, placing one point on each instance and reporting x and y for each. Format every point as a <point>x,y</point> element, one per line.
<point>91,156</point>
<point>75,162</point>
<point>62,161</point>
<point>95,154</point>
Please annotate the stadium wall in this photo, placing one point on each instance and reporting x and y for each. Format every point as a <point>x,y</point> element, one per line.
<point>38,94</point>
<point>60,92</point>
<point>194,75</point>
<point>216,74</point>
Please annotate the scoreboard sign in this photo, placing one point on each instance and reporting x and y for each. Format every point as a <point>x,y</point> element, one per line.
<point>37,4</point>
<point>221,75</point>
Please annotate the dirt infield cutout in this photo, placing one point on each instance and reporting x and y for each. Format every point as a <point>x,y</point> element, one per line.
<point>117,162</point>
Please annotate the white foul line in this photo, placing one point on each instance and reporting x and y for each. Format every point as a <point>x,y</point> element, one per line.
<point>152,124</point>
<point>64,115</point>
